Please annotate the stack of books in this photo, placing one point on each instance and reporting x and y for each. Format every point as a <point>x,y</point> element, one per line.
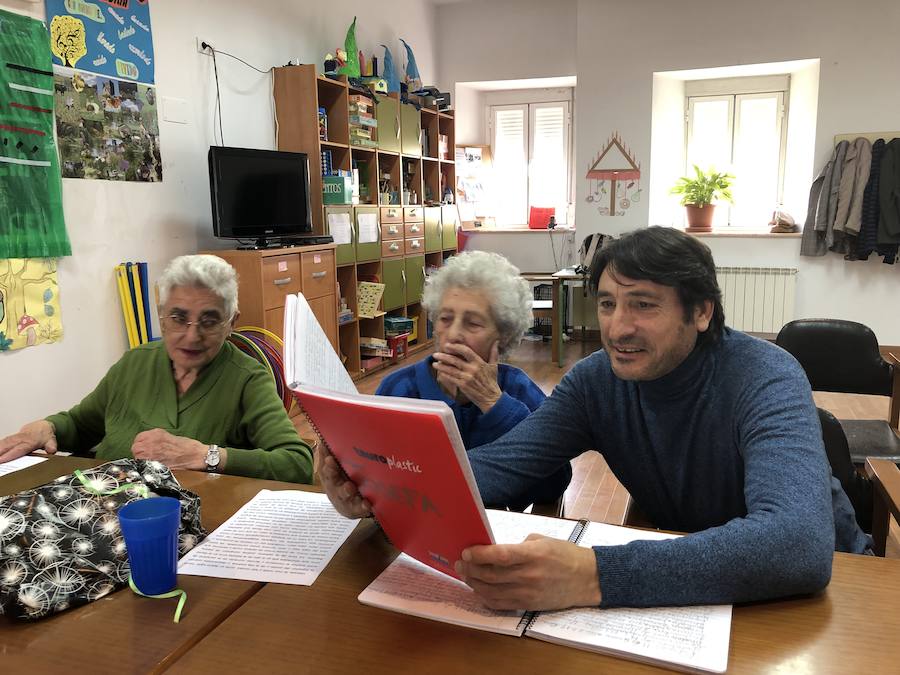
<point>363,124</point>
<point>397,325</point>
<point>373,346</point>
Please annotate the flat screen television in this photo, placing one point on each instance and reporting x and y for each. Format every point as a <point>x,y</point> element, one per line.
<point>260,195</point>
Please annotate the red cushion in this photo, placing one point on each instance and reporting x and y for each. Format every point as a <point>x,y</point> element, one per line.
<point>539,216</point>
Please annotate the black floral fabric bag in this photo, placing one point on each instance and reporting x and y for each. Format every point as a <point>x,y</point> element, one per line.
<point>60,543</point>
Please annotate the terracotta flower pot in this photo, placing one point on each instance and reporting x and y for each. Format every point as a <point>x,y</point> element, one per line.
<point>700,218</point>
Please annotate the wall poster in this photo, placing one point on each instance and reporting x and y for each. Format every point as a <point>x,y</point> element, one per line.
<point>106,37</point>
<point>31,214</point>
<point>29,303</point>
<point>107,128</point>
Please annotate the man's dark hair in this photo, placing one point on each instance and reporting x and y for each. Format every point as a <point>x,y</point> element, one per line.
<point>669,257</point>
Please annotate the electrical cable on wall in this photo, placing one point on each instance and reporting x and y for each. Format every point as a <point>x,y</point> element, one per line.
<point>214,52</point>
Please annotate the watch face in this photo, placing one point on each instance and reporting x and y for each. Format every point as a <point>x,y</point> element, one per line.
<point>212,457</point>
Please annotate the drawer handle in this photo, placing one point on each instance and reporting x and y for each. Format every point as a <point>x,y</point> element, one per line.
<point>416,244</point>
<point>394,247</point>
<point>318,275</point>
<point>413,228</point>
<point>392,229</point>
<point>282,282</point>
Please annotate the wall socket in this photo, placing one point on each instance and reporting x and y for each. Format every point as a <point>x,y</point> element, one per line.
<point>200,48</point>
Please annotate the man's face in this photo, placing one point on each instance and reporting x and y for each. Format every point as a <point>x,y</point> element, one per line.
<point>643,328</point>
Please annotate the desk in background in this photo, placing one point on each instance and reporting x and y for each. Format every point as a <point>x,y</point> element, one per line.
<point>558,306</point>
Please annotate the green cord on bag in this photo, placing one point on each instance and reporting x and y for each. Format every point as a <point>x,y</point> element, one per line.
<point>161,596</point>
<point>86,484</point>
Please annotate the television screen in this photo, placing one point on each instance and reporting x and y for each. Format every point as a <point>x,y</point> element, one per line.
<point>259,194</point>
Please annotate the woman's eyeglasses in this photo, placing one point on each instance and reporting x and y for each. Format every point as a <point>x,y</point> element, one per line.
<point>178,323</point>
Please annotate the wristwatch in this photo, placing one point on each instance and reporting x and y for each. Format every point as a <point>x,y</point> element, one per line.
<point>212,457</point>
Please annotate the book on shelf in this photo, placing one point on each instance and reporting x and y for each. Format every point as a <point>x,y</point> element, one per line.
<point>363,121</point>
<point>408,460</point>
<point>687,638</point>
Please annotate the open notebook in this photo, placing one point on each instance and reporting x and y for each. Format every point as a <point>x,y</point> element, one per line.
<point>692,638</point>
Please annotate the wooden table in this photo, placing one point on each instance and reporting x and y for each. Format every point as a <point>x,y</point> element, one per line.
<point>124,633</point>
<point>237,626</point>
<point>323,629</point>
<point>558,306</point>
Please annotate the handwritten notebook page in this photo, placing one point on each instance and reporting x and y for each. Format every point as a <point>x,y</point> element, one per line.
<point>285,537</point>
<point>309,357</point>
<point>410,587</point>
<point>691,637</point>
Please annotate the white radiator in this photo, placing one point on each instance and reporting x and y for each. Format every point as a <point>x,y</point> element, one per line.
<point>757,299</point>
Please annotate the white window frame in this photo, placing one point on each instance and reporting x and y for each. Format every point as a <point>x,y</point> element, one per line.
<point>734,90</point>
<point>529,110</point>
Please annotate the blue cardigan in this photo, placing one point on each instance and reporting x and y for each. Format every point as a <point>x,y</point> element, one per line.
<point>519,399</point>
<point>727,446</point>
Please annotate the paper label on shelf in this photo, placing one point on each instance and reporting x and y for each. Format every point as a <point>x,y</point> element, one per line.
<point>339,225</point>
<point>282,266</point>
<point>368,228</point>
<point>317,259</point>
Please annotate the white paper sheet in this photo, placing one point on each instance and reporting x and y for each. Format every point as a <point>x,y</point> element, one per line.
<point>692,637</point>
<point>20,463</point>
<point>410,587</point>
<point>309,357</point>
<point>285,537</point>
<point>368,227</point>
<point>339,226</point>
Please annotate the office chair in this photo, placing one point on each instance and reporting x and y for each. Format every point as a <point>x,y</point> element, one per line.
<point>857,486</point>
<point>843,356</point>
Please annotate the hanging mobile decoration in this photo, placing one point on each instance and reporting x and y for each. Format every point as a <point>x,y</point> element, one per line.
<point>615,164</point>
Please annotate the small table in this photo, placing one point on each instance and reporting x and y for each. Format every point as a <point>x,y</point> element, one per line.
<point>559,288</point>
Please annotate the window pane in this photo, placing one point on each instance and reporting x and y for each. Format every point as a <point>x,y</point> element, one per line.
<point>710,141</point>
<point>757,145</point>
<point>709,144</point>
<point>510,166</point>
<point>549,163</point>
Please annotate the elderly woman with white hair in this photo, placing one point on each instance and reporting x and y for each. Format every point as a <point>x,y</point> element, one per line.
<point>480,308</point>
<point>191,401</point>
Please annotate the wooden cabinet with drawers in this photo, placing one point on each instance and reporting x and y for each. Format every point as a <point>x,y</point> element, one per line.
<point>265,277</point>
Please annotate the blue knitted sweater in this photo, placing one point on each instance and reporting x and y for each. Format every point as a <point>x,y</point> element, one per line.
<point>727,447</point>
<point>520,397</point>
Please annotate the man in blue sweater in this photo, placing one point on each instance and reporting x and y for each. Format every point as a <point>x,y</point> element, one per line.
<point>712,432</point>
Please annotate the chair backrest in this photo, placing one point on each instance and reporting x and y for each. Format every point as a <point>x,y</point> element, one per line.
<point>838,355</point>
<point>857,487</point>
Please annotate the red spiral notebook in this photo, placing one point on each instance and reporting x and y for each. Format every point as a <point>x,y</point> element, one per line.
<point>408,460</point>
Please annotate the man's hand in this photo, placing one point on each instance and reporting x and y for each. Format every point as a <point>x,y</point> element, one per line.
<point>540,573</point>
<point>34,435</point>
<point>176,452</point>
<point>460,368</point>
<point>342,492</point>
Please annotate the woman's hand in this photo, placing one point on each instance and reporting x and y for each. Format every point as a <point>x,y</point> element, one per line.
<point>459,368</point>
<point>176,452</point>
<point>34,435</point>
<point>341,491</point>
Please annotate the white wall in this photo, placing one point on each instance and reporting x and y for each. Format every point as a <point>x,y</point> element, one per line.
<point>109,222</point>
<point>484,40</point>
<point>858,88</point>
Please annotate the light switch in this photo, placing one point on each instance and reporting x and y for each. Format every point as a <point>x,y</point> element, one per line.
<point>175,110</point>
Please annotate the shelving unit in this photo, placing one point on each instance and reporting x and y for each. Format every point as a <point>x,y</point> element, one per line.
<point>414,234</point>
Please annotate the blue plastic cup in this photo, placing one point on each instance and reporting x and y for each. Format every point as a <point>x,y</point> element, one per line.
<point>150,528</point>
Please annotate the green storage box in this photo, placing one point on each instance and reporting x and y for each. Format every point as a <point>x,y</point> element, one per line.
<point>337,189</point>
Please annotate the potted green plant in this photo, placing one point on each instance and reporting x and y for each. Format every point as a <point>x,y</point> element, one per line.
<point>698,192</point>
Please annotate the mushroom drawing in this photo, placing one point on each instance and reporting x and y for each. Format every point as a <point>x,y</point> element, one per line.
<point>27,323</point>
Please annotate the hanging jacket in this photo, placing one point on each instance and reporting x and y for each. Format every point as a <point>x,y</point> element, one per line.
<point>812,242</point>
<point>854,176</point>
<point>889,195</point>
<point>868,231</point>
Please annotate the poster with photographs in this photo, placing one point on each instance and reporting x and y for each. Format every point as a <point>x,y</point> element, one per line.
<point>108,37</point>
<point>106,128</point>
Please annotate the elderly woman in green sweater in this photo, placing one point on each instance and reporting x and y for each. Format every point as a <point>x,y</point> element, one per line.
<point>190,401</point>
